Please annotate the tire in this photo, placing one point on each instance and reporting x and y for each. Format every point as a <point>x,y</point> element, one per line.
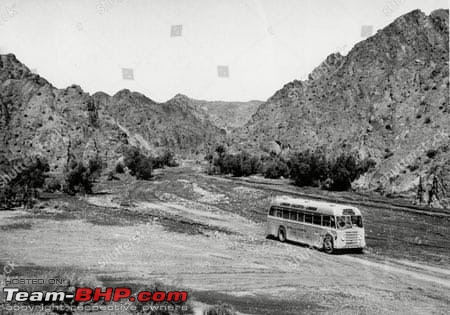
<point>328,246</point>
<point>282,234</point>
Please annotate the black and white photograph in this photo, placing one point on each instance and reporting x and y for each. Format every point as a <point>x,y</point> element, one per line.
<point>224,157</point>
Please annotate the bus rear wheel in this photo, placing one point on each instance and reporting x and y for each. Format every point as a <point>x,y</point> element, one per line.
<point>281,234</point>
<point>328,244</point>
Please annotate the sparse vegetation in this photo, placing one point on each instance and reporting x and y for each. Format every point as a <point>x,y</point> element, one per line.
<point>120,168</point>
<point>139,164</point>
<point>313,169</point>
<point>308,168</point>
<point>80,178</point>
<point>22,187</point>
<point>431,153</point>
<point>275,167</point>
<point>305,168</point>
<point>167,158</point>
<point>220,309</point>
<point>53,184</point>
<point>239,164</point>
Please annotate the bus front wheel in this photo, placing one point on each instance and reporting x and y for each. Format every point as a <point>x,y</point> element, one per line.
<point>281,234</point>
<point>328,244</point>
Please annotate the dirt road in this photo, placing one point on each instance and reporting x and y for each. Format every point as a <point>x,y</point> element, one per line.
<point>206,234</point>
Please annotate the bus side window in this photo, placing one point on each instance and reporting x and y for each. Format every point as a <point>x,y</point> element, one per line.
<point>272,211</point>
<point>308,218</point>
<point>285,214</point>
<point>317,219</point>
<point>326,220</point>
<point>279,212</point>
<point>293,215</point>
<point>333,222</point>
<point>301,217</point>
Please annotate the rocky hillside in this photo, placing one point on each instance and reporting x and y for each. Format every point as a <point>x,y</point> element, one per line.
<point>37,118</point>
<point>175,124</point>
<point>387,99</point>
<point>228,115</point>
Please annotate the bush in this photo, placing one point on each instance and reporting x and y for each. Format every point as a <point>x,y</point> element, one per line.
<point>167,158</point>
<point>308,168</point>
<point>313,169</point>
<point>240,164</point>
<point>52,185</point>
<point>139,165</point>
<point>80,178</point>
<point>22,188</point>
<point>275,168</point>
<point>347,168</point>
<point>120,169</point>
<point>432,153</point>
<point>220,309</point>
<point>342,172</point>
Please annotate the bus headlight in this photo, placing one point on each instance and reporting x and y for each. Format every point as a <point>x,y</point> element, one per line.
<point>343,238</point>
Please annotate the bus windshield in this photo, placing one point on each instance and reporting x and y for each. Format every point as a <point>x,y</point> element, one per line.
<point>347,222</point>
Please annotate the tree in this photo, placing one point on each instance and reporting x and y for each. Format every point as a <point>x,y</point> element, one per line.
<point>81,178</point>
<point>139,165</point>
<point>23,188</point>
<point>275,168</point>
<point>308,169</point>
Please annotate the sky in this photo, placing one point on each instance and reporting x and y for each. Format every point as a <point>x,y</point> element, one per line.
<point>233,50</point>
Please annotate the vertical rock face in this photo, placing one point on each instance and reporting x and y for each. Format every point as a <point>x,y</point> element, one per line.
<point>387,99</point>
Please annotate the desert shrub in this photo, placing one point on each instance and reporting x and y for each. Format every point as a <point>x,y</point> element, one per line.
<point>366,165</point>
<point>275,168</point>
<point>431,153</point>
<point>139,165</point>
<point>220,309</point>
<point>220,149</point>
<point>342,172</point>
<point>413,167</point>
<point>313,169</point>
<point>95,167</point>
<point>345,169</point>
<point>23,186</point>
<point>240,164</point>
<point>80,177</point>
<point>167,158</point>
<point>120,169</point>
<point>387,153</point>
<point>308,168</point>
<point>53,184</point>
<point>144,168</point>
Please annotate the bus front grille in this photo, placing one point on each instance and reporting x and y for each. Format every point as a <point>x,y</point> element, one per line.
<point>351,238</point>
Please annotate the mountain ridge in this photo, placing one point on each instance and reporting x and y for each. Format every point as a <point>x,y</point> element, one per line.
<point>385,99</point>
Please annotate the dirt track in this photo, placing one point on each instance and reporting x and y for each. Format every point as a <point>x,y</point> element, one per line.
<point>207,235</point>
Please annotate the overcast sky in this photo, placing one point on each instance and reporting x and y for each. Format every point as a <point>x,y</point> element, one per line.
<point>206,49</point>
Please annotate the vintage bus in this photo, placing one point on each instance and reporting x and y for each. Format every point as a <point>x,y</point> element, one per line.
<point>320,224</point>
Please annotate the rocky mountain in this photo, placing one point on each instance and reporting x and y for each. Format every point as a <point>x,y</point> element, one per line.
<point>37,118</point>
<point>388,99</point>
<point>175,124</point>
<point>228,115</point>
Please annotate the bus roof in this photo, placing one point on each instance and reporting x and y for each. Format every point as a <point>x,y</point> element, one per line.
<point>321,207</point>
